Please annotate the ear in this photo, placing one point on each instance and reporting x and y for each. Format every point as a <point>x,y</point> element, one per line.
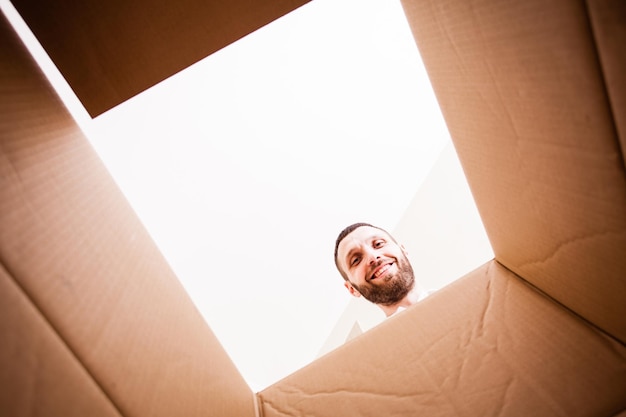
<point>406,252</point>
<point>352,290</point>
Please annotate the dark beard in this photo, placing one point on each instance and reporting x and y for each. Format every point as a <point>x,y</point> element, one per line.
<point>391,291</point>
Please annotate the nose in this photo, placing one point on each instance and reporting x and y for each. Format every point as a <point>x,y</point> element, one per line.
<point>373,256</point>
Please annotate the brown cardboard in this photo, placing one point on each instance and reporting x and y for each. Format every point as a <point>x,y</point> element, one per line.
<point>83,262</point>
<point>110,51</point>
<point>523,95</point>
<point>39,375</point>
<point>487,345</point>
<point>607,19</point>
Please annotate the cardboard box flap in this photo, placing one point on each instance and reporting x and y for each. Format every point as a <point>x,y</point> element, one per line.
<point>40,376</point>
<point>608,22</point>
<point>112,50</point>
<point>523,95</point>
<point>487,345</point>
<point>74,246</point>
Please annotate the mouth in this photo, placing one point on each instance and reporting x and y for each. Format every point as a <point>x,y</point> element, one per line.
<point>380,271</point>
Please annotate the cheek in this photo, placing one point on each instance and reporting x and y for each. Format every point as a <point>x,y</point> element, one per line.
<point>359,275</point>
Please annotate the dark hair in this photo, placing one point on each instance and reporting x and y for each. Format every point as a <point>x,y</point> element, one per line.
<point>345,232</point>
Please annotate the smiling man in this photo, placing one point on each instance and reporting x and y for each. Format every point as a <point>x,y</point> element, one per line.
<point>376,267</point>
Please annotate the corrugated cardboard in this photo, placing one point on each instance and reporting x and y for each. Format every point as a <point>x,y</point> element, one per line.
<point>522,92</point>
<point>90,282</point>
<point>607,19</point>
<point>39,375</point>
<point>109,51</point>
<point>531,94</point>
<point>486,345</point>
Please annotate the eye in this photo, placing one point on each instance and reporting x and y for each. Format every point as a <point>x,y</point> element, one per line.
<point>379,243</point>
<point>354,261</point>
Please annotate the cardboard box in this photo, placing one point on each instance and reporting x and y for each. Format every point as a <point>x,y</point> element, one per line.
<point>94,322</point>
<point>525,100</point>
<point>126,47</point>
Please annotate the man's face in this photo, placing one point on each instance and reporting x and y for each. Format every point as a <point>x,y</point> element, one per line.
<point>376,266</point>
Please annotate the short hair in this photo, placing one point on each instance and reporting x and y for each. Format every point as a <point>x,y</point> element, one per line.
<point>345,232</point>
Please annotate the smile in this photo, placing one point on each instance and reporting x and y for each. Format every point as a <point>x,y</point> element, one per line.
<point>380,271</point>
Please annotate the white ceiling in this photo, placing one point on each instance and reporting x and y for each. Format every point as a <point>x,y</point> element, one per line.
<point>245,166</point>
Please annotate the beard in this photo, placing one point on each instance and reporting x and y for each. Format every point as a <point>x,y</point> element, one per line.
<point>393,289</point>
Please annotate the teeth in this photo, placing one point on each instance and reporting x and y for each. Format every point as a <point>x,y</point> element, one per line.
<point>381,270</point>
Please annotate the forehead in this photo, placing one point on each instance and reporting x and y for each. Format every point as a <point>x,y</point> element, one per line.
<point>359,237</point>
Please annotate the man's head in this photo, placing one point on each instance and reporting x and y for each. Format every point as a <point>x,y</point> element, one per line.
<point>373,264</point>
